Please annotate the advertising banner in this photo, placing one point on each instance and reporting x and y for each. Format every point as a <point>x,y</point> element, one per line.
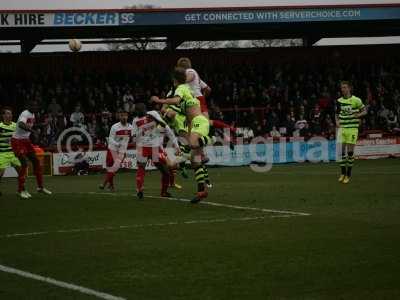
<point>196,17</point>
<point>314,150</point>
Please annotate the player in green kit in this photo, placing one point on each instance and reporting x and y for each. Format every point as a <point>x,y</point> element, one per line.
<point>198,126</point>
<point>350,110</point>
<point>177,121</point>
<point>7,156</point>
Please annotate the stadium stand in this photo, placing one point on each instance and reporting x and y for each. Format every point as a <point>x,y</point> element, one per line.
<point>268,92</point>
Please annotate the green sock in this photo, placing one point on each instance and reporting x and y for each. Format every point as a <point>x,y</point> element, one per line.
<point>206,176</point>
<point>199,175</point>
<point>350,162</point>
<point>205,140</point>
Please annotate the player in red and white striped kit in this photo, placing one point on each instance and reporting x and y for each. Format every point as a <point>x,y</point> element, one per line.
<point>150,131</point>
<point>197,85</point>
<point>200,90</point>
<point>24,150</point>
<point>118,140</point>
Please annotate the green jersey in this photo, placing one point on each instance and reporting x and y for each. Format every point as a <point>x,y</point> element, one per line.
<point>175,108</point>
<point>178,123</point>
<point>6,132</point>
<point>348,107</point>
<point>184,92</point>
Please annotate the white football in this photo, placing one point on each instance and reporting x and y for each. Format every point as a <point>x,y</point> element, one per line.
<point>75,45</point>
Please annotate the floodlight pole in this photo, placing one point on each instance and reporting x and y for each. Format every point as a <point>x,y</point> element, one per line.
<point>309,41</point>
<point>27,45</point>
<point>172,44</point>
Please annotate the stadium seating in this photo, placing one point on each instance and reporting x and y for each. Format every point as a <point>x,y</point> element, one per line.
<point>274,92</point>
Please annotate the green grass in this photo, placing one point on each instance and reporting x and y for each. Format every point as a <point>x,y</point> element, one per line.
<point>348,248</point>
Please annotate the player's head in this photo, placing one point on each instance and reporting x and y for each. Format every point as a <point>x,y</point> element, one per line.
<point>33,107</point>
<point>123,116</point>
<point>140,109</point>
<point>346,88</point>
<point>179,76</point>
<point>6,115</point>
<point>184,63</point>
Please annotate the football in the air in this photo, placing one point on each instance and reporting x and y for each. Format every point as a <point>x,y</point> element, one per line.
<point>75,45</point>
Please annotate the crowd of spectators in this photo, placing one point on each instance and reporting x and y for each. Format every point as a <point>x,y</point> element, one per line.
<point>282,99</point>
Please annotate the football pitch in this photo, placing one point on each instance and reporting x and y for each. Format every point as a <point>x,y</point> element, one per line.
<point>291,233</point>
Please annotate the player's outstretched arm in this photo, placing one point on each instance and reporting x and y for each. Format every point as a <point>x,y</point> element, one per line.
<point>174,100</point>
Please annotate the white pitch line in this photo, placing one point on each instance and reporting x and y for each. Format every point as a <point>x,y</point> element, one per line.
<point>58,283</point>
<point>287,212</point>
<point>243,219</point>
<point>316,173</point>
